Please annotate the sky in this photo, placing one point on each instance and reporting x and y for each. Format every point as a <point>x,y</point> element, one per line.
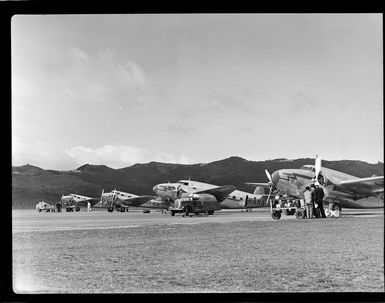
<point>195,88</point>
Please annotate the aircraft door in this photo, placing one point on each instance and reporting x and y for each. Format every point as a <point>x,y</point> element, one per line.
<point>246,200</point>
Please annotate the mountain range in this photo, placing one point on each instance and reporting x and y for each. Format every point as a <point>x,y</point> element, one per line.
<point>31,184</point>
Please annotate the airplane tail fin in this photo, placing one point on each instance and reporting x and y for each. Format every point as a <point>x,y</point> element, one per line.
<point>260,190</point>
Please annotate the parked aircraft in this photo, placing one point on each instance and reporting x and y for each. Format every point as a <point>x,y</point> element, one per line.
<point>122,200</point>
<point>74,201</point>
<point>225,195</point>
<point>341,190</point>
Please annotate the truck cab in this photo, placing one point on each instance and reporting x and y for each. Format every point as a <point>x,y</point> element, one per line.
<point>44,206</point>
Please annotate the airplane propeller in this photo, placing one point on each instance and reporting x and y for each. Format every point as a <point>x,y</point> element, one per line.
<point>317,167</point>
<point>177,191</point>
<point>268,176</point>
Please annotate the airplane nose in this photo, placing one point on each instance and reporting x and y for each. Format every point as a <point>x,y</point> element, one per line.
<point>155,188</point>
<point>275,177</point>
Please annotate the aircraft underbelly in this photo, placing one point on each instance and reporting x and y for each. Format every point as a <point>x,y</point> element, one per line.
<point>229,203</point>
<point>370,202</point>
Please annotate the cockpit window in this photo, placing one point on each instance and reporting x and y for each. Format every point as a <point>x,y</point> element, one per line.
<point>183,183</point>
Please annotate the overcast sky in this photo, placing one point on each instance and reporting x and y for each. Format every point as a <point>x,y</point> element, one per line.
<point>125,89</point>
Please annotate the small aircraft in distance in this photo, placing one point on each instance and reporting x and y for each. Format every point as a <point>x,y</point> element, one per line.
<point>122,201</point>
<point>74,201</point>
<point>341,190</point>
<point>226,195</point>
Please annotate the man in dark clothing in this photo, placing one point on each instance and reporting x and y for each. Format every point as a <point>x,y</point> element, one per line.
<point>315,211</point>
<point>319,195</point>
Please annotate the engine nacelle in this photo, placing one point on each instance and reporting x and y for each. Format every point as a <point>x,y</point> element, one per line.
<point>322,179</point>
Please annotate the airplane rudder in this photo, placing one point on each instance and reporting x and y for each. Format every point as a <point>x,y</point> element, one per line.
<point>259,190</point>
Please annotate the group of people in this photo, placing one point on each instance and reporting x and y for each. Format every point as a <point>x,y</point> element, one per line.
<point>314,195</point>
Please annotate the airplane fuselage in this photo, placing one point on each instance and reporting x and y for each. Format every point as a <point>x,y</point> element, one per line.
<point>294,181</point>
<point>235,200</point>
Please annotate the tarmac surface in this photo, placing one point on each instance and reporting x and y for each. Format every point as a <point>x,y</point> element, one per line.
<point>34,221</point>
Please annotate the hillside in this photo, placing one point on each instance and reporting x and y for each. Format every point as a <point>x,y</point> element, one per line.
<point>31,184</point>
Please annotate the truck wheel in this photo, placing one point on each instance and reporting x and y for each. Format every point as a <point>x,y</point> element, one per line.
<point>300,214</point>
<point>276,215</point>
<point>110,209</point>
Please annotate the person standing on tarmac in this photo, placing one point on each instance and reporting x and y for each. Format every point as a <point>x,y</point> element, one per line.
<point>312,190</point>
<point>319,195</point>
<point>308,203</point>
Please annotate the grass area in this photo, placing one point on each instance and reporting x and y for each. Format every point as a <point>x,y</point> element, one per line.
<point>331,255</point>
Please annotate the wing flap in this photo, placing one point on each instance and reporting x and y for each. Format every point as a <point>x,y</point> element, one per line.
<point>369,185</point>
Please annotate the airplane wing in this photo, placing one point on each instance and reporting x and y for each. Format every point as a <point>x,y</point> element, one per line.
<point>220,192</point>
<point>135,201</point>
<point>371,185</point>
<point>259,184</point>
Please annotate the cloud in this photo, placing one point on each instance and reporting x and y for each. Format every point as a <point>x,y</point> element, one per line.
<point>118,156</point>
<point>79,54</point>
<point>180,129</point>
<point>224,102</point>
<point>41,153</point>
<point>74,75</point>
<point>304,101</point>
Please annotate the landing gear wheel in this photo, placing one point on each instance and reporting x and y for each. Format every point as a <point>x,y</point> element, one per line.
<point>77,208</point>
<point>336,207</point>
<point>172,213</point>
<point>122,209</point>
<point>110,209</point>
<point>300,214</point>
<point>211,212</point>
<point>276,215</point>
